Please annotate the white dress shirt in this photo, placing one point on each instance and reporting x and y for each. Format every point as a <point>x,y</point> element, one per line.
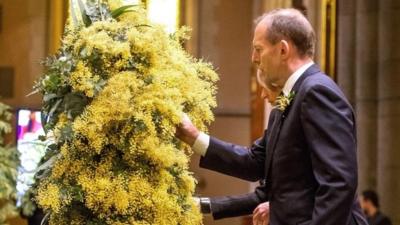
<point>202,142</point>
<point>287,88</point>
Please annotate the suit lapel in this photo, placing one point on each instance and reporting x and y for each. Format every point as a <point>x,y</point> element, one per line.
<point>279,119</point>
<point>275,130</point>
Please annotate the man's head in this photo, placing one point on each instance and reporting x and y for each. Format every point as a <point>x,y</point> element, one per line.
<point>283,41</point>
<point>369,202</point>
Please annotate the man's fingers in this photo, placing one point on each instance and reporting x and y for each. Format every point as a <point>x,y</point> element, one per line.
<point>256,210</point>
<point>185,118</point>
<point>259,222</point>
<point>255,218</point>
<point>197,201</point>
<point>186,131</point>
<point>256,222</point>
<point>261,214</point>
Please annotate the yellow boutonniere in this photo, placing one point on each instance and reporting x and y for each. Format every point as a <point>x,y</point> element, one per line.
<point>282,101</point>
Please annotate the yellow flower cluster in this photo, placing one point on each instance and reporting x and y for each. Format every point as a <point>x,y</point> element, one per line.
<point>51,197</point>
<point>282,101</point>
<point>118,161</point>
<point>83,80</point>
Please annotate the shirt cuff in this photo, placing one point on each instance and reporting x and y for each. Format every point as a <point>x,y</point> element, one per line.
<point>201,144</point>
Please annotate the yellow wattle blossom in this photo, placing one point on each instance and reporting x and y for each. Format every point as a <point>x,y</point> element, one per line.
<point>82,80</point>
<point>50,197</point>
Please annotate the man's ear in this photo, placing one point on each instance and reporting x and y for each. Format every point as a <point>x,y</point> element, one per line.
<point>284,49</point>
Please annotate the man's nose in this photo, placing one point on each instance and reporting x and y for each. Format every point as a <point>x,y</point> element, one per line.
<point>264,94</point>
<point>255,58</point>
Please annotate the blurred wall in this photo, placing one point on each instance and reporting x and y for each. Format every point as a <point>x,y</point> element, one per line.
<point>22,47</point>
<point>368,72</point>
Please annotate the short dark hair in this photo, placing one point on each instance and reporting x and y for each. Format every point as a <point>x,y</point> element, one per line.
<point>293,25</point>
<point>372,196</point>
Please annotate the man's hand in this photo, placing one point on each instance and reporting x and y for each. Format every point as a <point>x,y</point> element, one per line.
<point>261,214</point>
<point>186,131</point>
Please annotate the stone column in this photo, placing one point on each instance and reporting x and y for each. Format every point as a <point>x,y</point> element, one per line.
<point>346,48</point>
<point>389,109</point>
<point>366,70</point>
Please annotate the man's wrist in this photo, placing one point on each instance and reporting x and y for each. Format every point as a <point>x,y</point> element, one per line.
<point>193,138</point>
<point>205,205</point>
<point>201,144</point>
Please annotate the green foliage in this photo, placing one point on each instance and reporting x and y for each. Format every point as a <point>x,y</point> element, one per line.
<point>121,10</point>
<point>94,11</point>
<point>5,117</point>
<point>9,161</point>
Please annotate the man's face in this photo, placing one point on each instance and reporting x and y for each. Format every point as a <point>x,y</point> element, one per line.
<point>266,55</point>
<point>365,204</point>
<point>269,93</point>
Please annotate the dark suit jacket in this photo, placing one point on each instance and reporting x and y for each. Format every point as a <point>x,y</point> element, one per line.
<point>307,158</point>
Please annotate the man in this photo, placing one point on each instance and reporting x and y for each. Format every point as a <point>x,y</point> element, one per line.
<point>370,204</point>
<point>307,156</point>
<point>261,213</point>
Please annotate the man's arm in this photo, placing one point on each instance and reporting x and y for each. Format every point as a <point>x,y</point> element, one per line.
<point>329,128</point>
<point>233,160</point>
<point>238,205</point>
<point>236,160</point>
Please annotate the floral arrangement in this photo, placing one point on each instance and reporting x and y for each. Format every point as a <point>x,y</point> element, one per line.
<point>112,98</point>
<point>9,162</point>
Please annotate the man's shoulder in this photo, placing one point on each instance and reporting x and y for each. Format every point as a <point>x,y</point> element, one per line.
<point>320,85</point>
<point>318,80</point>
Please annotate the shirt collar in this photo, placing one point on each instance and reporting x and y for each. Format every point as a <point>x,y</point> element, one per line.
<point>294,77</point>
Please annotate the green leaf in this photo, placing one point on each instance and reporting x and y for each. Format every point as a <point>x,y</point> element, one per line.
<point>121,10</point>
<point>85,17</point>
<point>48,97</point>
<point>45,218</point>
<point>53,109</point>
<point>74,104</point>
<point>48,164</point>
<point>42,137</point>
<point>67,133</point>
<point>43,119</point>
<point>99,86</point>
<point>33,92</point>
<point>142,25</point>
